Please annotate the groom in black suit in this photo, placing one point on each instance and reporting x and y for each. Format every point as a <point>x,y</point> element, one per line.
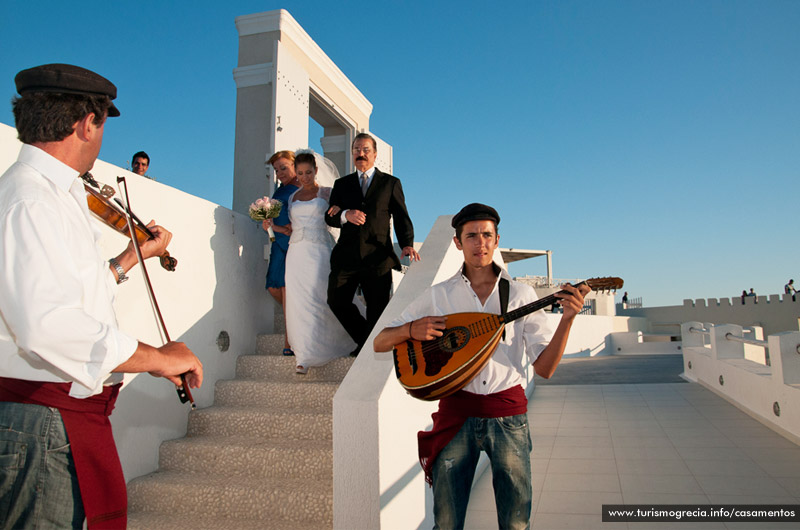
<point>363,204</point>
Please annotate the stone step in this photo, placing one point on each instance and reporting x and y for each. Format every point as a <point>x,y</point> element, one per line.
<point>198,521</point>
<point>237,496</point>
<point>258,422</point>
<point>280,368</point>
<point>239,455</point>
<point>269,344</point>
<point>279,321</point>
<point>296,392</point>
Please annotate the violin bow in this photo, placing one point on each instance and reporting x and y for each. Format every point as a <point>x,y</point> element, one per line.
<point>184,394</point>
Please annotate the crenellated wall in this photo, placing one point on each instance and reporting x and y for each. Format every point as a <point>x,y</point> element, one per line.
<point>774,313</point>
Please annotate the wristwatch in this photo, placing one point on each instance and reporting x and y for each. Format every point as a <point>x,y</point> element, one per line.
<point>120,271</point>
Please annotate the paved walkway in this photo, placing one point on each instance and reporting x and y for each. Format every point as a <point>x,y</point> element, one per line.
<point>663,443</point>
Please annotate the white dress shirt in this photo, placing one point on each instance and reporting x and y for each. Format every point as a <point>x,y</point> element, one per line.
<point>57,321</point>
<point>526,336</point>
<point>369,173</point>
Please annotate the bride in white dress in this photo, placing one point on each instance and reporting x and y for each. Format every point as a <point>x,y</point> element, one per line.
<point>314,332</point>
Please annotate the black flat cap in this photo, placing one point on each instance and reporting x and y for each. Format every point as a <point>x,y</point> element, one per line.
<point>475,212</point>
<point>66,79</point>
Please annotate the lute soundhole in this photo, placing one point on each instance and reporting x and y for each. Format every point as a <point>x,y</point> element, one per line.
<point>453,340</point>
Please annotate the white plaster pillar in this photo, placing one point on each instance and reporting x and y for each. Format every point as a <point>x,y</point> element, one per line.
<point>254,101</point>
<point>690,339</point>
<point>723,348</point>
<point>784,356</point>
<point>384,161</point>
<point>604,304</point>
<point>290,102</point>
<point>335,148</point>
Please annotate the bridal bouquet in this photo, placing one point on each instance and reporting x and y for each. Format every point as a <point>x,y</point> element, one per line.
<point>263,209</point>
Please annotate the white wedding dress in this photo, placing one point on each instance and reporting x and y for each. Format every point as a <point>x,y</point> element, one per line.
<point>314,332</point>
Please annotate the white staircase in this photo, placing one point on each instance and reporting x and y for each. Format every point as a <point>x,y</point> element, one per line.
<point>260,457</point>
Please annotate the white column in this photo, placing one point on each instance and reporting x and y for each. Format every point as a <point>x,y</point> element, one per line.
<point>722,347</point>
<point>785,358</point>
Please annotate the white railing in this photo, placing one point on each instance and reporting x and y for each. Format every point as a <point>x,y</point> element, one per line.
<point>589,308</point>
<point>632,303</point>
<point>760,377</point>
<point>745,340</point>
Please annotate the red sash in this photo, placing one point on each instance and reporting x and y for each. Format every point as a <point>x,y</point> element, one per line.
<point>100,476</point>
<point>454,411</point>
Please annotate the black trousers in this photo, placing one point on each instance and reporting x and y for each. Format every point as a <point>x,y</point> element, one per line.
<point>342,285</point>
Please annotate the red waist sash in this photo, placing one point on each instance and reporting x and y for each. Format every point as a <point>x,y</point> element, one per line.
<point>454,411</point>
<point>100,476</point>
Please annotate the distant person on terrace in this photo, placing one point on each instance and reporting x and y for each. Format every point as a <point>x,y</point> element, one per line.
<point>789,289</point>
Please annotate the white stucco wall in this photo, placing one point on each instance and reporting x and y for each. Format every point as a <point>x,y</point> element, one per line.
<point>218,285</point>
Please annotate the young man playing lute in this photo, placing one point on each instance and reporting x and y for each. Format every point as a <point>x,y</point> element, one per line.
<point>490,412</point>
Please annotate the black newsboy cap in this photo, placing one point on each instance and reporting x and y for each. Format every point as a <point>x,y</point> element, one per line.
<point>67,79</point>
<point>475,212</point>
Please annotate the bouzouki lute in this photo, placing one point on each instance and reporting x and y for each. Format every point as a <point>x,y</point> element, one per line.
<point>433,369</point>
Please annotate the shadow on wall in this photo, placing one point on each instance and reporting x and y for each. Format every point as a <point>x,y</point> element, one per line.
<point>215,302</point>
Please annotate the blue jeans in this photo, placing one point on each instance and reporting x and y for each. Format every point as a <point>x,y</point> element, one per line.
<point>38,483</point>
<point>507,442</point>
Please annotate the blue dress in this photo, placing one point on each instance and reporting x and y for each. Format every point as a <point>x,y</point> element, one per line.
<point>276,271</point>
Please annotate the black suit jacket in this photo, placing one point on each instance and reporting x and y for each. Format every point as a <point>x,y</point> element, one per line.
<point>370,245</point>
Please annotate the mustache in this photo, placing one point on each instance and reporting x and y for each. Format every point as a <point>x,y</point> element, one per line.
<point>361,158</point>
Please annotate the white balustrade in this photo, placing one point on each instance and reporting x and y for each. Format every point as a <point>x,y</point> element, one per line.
<point>760,377</point>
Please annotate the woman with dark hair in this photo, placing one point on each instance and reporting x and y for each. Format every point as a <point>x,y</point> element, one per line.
<point>283,164</point>
<point>315,333</point>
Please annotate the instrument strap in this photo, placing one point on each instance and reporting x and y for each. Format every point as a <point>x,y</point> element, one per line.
<point>504,289</point>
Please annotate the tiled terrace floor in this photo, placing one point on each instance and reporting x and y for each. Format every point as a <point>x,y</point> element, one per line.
<point>673,443</point>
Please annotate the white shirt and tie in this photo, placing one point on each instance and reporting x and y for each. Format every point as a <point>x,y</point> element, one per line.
<point>365,179</point>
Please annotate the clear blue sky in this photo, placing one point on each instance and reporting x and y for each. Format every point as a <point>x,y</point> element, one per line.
<point>658,141</point>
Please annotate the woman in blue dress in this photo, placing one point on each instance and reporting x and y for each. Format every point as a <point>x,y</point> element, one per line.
<point>283,163</point>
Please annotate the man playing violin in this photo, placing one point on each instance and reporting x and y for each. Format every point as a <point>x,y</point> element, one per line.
<point>490,412</point>
<point>62,354</point>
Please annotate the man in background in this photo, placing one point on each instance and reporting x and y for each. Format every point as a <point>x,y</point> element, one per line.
<point>140,163</point>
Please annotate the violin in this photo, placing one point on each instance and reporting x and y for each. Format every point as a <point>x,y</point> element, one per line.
<point>184,394</point>
<point>113,215</point>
